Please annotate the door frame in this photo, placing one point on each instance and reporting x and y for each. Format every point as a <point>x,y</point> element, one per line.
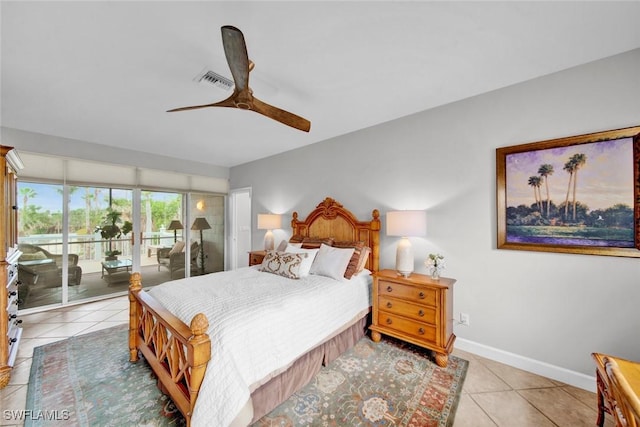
<point>233,229</point>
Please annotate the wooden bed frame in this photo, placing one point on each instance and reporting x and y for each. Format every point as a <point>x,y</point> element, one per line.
<point>179,353</point>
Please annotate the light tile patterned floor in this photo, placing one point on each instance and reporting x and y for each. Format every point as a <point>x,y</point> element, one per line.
<point>493,394</point>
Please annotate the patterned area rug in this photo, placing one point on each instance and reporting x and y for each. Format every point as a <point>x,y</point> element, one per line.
<point>88,381</point>
<point>389,383</point>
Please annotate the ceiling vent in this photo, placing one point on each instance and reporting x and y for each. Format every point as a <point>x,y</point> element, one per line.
<point>215,79</point>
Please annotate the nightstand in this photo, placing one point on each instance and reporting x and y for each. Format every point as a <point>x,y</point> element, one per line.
<point>256,257</point>
<point>415,309</point>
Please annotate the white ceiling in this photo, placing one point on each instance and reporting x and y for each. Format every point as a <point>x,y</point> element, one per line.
<point>106,72</point>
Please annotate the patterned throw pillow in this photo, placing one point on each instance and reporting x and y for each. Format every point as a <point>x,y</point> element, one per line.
<point>296,238</point>
<point>283,264</point>
<point>315,242</point>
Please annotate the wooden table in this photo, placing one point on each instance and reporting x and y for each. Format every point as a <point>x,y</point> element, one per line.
<point>630,370</point>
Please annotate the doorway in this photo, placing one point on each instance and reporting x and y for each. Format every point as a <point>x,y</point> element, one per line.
<point>240,227</point>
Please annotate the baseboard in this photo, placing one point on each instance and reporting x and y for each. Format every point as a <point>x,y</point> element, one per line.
<point>557,373</point>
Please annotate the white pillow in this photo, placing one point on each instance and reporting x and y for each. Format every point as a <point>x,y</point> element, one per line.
<point>177,247</point>
<point>305,267</point>
<point>283,245</point>
<point>332,262</point>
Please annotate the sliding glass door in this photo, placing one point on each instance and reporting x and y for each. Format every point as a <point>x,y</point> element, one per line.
<point>87,248</point>
<point>40,226</point>
<point>81,252</point>
<point>162,249</point>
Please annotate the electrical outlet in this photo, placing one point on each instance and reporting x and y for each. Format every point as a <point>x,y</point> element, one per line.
<point>464,319</point>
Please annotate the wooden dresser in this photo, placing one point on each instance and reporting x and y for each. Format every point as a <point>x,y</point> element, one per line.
<point>415,309</point>
<point>10,330</point>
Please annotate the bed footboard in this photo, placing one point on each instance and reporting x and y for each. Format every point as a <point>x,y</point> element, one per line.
<point>177,353</point>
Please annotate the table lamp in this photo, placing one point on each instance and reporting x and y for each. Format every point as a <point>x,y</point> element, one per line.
<point>406,224</point>
<point>269,222</point>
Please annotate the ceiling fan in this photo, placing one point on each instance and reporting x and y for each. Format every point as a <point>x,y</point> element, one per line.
<point>235,50</point>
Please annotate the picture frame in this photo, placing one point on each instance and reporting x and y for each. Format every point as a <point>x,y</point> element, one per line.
<point>579,194</point>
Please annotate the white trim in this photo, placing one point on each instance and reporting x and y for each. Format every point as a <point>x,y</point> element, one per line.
<point>557,373</point>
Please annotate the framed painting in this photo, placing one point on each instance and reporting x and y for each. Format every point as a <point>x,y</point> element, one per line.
<point>579,194</point>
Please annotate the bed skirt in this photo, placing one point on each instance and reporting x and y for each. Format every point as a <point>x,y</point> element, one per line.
<point>272,393</point>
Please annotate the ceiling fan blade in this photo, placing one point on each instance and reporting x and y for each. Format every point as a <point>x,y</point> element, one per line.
<point>235,50</point>
<point>280,115</point>
<point>224,103</point>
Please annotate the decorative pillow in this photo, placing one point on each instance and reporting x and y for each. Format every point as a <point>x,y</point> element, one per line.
<point>296,239</point>
<point>177,247</point>
<point>315,242</point>
<point>352,268</point>
<point>283,264</point>
<point>282,246</point>
<point>34,256</point>
<point>307,262</point>
<point>364,257</point>
<point>332,262</point>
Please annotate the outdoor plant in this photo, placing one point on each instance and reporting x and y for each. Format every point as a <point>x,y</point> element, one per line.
<point>113,227</point>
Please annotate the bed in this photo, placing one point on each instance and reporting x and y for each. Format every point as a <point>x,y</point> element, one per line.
<point>193,354</point>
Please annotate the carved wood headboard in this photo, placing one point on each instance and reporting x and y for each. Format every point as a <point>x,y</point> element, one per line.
<point>331,219</point>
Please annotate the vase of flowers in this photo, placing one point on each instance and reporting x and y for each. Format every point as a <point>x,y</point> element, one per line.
<point>435,265</point>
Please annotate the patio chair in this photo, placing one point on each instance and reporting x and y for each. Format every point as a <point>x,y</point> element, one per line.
<point>39,268</point>
<point>173,259</point>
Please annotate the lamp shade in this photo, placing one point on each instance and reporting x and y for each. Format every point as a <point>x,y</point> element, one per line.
<point>200,224</point>
<point>269,221</point>
<point>175,225</point>
<point>407,223</point>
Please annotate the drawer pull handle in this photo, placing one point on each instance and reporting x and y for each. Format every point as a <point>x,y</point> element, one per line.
<point>421,295</point>
<point>421,313</point>
<point>17,322</point>
<point>13,293</point>
<point>389,288</point>
<point>389,321</point>
<point>12,340</point>
<point>389,305</point>
<point>421,331</point>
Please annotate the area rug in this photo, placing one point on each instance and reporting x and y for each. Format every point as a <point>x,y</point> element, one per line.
<point>88,381</point>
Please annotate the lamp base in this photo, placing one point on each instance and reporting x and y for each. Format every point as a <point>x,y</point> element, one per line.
<point>404,257</point>
<point>268,241</point>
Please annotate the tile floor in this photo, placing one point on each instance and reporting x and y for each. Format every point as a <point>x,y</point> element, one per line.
<point>493,394</point>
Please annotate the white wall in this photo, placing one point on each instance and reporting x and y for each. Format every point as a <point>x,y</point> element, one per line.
<point>544,308</point>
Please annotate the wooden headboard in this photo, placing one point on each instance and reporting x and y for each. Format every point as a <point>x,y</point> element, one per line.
<point>331,219</point>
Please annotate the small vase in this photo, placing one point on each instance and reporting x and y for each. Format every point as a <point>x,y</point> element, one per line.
<point>435,274</point>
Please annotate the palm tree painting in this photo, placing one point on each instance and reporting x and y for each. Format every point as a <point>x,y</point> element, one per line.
<point>583,193</point>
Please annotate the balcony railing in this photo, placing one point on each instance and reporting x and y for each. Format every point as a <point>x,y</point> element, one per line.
<point>91,248</point>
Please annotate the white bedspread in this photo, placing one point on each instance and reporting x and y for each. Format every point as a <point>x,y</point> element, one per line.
<point>258,323</point>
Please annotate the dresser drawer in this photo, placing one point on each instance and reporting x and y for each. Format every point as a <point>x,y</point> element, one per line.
<point>419,330</point>
<point>418,312</point>
<point>256,257</point>
<point>421,295</point>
